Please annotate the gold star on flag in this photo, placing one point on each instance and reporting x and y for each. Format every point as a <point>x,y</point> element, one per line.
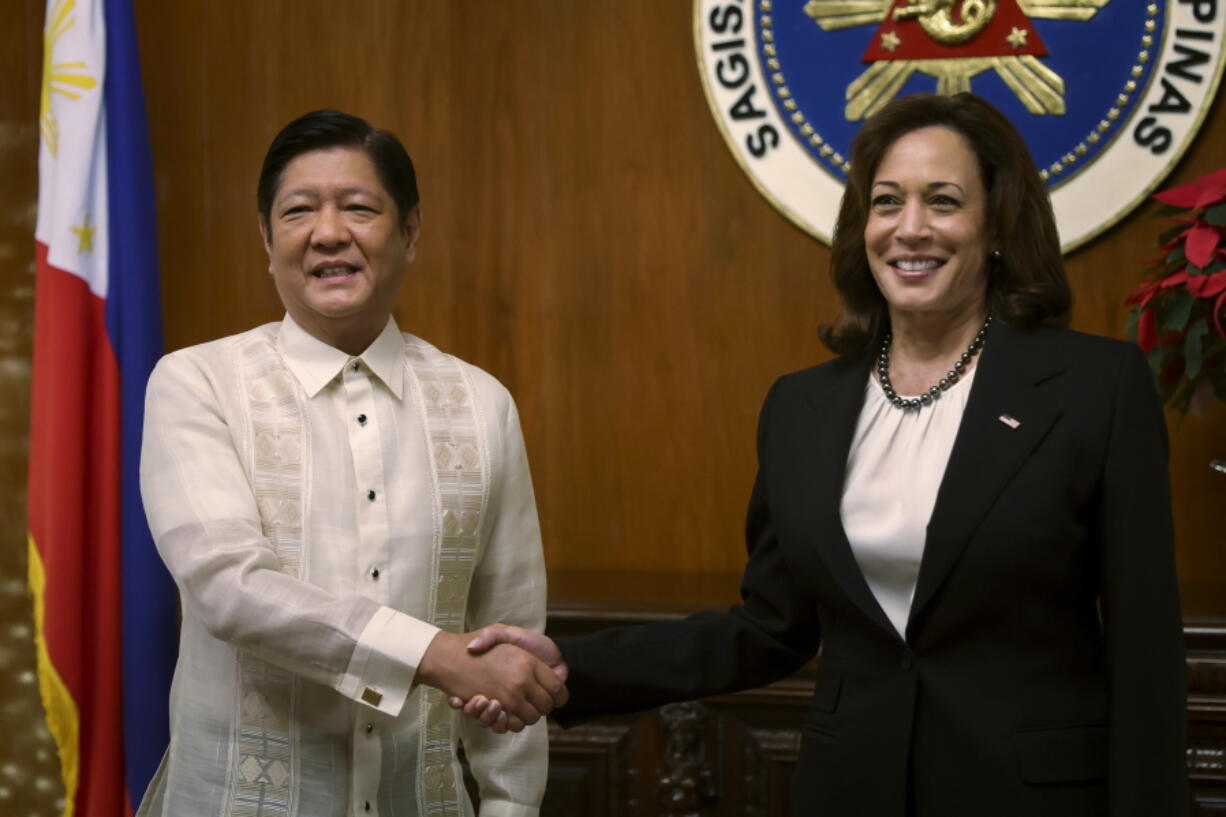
<point>1017,37</point>
<point>890,41</point>
<point>85,236</point>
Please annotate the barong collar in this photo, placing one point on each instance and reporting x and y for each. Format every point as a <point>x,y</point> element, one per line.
<point>316,364</point>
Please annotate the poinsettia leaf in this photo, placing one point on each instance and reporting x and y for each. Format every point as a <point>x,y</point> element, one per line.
<point>1147,332</point>
<point>1170,234</point>
<point>1216,286</point>
<point>1212,351</point>
<point>1181,397</point>
<point>1141,295</point>
<point>1156,358</point>
<point>1211,194</point>
<point>1183,196</point>
<point>1216,215</point>
<point>1208,189</point>
<point>1209,197</point>
<point>1130,326</point>
<point>1207,286</point>
<point>1214,180</point>
<point>1177,310</point>
<point>1165,268</point>
<point>1177,256</point>
<point>1202,241</point>
<point>1179,239</point>
<point>1192,349</point>
<point>1215,354</point>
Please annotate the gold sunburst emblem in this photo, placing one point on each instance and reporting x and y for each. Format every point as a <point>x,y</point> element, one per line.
<point>950,23</point>
<point>65,78</point>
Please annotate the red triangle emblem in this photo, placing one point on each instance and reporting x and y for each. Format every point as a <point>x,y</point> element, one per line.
<point>943,29</point>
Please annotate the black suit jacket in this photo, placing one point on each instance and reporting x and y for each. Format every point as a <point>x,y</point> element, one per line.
<point>1042,671</point>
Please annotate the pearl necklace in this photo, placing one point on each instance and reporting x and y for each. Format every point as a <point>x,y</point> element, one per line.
<point>951,377</point>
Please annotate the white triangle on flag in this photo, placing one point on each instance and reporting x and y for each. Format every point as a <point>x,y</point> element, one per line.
<point>73,216</point>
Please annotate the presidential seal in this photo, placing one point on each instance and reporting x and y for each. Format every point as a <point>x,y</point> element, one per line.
<point>1107,93</point>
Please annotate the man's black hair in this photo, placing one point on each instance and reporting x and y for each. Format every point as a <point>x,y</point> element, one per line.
<point>319,130</point>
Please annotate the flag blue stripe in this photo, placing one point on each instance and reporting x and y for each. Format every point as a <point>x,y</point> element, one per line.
<point>134,324</point>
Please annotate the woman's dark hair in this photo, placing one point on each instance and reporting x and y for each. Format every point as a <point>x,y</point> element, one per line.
<point>319,130</point>
<point>1026,287</point>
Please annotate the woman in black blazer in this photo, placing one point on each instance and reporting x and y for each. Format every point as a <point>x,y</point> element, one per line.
<point>994,598</point>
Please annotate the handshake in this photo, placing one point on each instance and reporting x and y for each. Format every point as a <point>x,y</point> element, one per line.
<point>503,677</point>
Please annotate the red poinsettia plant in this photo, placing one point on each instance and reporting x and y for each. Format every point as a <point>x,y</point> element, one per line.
<point>1179,312</point>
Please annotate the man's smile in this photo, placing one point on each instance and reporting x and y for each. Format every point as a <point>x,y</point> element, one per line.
<point>333,269</point>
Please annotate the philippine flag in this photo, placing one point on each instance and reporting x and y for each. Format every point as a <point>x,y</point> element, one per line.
<point>104,604</point>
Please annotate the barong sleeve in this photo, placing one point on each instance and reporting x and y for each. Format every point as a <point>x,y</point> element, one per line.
<point>509,586</point>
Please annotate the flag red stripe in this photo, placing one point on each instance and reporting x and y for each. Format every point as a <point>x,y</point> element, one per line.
<point>74,519</point>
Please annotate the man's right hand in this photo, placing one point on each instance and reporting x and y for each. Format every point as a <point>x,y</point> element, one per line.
<point>490,710</point>
<point>526,688</point>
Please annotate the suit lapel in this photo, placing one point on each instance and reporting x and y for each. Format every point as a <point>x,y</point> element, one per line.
<point>1006,416</point>
<point>825,440</point>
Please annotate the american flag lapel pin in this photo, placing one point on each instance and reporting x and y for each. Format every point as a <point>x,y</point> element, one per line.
<point>1009,420</point>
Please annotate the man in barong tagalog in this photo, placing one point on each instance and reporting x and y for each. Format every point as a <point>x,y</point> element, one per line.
<point>338,502</point>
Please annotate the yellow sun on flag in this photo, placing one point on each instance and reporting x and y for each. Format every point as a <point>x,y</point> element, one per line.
<point>59,77</point>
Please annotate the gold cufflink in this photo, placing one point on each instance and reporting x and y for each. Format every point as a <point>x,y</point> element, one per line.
<point>372,696</point>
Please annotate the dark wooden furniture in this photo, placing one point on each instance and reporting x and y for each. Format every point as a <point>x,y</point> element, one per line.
<point>734,754</point>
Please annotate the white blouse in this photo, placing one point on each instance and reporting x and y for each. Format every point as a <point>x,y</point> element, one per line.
<point>895,467</point>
